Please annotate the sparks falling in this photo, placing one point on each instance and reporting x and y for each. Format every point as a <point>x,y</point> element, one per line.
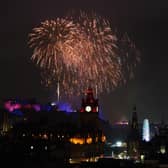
<point>83,51</point>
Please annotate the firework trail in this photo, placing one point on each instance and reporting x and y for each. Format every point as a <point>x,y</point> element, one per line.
<point>81,51</point>
<point>129,55</point>
<point>58,46</point>
<point>105,68</point>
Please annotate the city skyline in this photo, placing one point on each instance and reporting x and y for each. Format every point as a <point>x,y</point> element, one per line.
<point>145,23</point>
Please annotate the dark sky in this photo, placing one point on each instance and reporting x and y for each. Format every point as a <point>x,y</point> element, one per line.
<point>146,22</point>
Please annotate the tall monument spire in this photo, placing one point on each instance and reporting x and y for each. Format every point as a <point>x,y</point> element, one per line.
<point>134,122</point>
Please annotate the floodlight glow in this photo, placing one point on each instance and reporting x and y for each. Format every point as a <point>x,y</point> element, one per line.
<point>53,104</point>
<point>146,131</point>
<point>118,143</point>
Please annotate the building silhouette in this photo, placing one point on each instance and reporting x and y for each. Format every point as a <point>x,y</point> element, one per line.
<point>70,136</point>
<point>133,137</point>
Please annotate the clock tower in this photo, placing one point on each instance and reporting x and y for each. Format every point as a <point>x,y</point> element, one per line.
<point>89,103</point>
<point>89,111</point>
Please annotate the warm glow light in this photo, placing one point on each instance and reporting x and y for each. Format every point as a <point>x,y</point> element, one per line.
<point>89,140</point>
<point>96,139</point>
<point>77,140</point>
<point>45,136</point>
<point>103,138</point>
<point>122,123</point>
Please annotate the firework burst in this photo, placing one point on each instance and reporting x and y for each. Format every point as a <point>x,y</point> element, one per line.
<point>57,43</point>
<point>82,51</point>
<point>58,46</point>
<point>104,70</point>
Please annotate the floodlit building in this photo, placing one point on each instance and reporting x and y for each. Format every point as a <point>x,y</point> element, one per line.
<point>146,130</point>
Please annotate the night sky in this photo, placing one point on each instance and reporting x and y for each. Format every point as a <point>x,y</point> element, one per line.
<point>145,21</point>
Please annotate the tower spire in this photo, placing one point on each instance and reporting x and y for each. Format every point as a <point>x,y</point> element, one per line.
<point>89,103</point>
<point>134,122</point>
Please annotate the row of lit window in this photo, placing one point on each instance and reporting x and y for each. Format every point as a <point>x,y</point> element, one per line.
<point>32,147</point>
<point>75,140</point>
<point>88,140</point>
<point>43,136</point>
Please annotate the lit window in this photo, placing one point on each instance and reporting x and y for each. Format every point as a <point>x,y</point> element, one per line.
<point>162,149</point>
<point>103,138</point>
<point>89,140</point>
<point>45,136</point>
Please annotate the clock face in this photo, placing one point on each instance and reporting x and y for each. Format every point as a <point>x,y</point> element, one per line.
<point>88,108</point>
